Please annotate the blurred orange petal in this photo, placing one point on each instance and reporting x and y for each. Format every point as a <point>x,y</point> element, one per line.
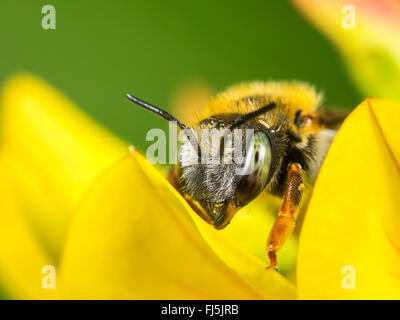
<point>371,50</point>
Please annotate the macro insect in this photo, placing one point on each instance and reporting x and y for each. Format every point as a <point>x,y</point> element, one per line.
<point>290,136</point>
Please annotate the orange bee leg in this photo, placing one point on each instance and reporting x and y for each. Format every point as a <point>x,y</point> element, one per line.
<point>285,222</point>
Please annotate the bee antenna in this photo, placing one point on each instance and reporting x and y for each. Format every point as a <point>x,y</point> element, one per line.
<point>156,110</point>
<point>167,116</point>
<point>244,118</point>
<point>248,116</point>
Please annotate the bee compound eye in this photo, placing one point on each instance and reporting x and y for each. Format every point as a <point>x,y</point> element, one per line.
<point>254,173</point>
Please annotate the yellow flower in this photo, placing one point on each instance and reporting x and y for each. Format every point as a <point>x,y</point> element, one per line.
<point>142,240</point>
<point>367,35</point>
<point>73,197</point>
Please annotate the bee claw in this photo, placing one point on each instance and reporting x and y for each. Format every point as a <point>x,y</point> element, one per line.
<point>272,267</point>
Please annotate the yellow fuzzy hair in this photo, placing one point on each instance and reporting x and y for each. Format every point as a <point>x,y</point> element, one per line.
<point>292,95</point>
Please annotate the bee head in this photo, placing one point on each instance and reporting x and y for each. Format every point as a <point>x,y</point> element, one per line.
<point>221,177</point>
<point>229,169</point>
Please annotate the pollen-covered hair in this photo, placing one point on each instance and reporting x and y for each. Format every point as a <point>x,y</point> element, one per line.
<point>291,94</point>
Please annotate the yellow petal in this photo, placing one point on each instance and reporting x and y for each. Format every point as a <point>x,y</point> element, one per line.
<point>21,256</point>
<point>50,152</point>
<point>54,152</point>
<point>372,49</point>
<point>351,233</point>
<point>133,236</point>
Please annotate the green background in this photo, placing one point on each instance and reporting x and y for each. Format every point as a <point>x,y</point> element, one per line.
<point>102,49</point>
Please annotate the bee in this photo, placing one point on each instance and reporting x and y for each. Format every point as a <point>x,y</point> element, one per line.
<point>290,136</point>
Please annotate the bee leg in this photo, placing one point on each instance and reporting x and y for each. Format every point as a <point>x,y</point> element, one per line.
<point>285,222</point>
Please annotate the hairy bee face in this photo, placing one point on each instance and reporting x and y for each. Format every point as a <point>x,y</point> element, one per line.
<point>223,179</point>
